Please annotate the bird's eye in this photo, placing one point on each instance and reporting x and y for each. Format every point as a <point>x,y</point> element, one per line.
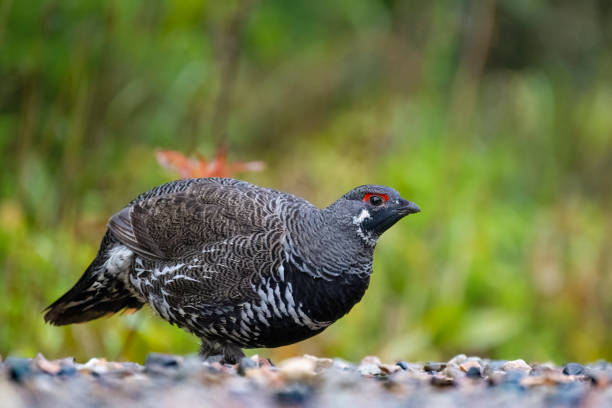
<point>375,199</point>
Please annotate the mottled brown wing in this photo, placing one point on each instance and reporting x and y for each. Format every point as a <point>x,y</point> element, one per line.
<point>211,238</point>
<point>177,224</point>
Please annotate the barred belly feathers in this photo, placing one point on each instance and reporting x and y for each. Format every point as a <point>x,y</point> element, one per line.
<point>239,266</point>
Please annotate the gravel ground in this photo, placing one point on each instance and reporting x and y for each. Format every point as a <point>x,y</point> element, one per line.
<point>175,381</point>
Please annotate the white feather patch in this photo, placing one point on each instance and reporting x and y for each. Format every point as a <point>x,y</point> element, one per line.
<point>119,259</point>
<point>364,214</point>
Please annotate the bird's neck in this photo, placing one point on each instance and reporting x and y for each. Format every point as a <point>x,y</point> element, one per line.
<point>326,247</point>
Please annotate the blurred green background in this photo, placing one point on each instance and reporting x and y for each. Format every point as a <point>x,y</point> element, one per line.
<point>494,116</point>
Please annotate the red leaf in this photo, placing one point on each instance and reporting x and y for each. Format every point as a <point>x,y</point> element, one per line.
<point>201,167</point>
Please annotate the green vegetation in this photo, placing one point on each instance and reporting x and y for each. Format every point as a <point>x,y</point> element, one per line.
<point>495,117</point>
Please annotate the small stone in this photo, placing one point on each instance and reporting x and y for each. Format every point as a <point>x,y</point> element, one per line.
<point>442,381</point>
<point>411,367</point>
<point>434,366</point>
<point>369,369</point>
<point>452,371</point>
<point>473,372</point>
<point>600,373</point>
<point>573,369</point>
<point>320,363</point>
<point>402,364</point>
<point>458,359</point>
<point>465,367</point>
<point>389,368</point>
<point>19,368</point>
<point>371,366</point>
<point>493,366</point>
<point>67,371</point>
<point>162,360</point>
<point>549,378</point>
<point>294,394</point>
<point>46,366</point>
<point>95,366</point>
<point>245,364</point>
<point>265,377</point>
<point>495,378</point>
<point>262,361</point>
<point>297,369</point>
<point>516,365</point>
<point>543,369</point>
<point>343,365</point>
<point>371,360</point>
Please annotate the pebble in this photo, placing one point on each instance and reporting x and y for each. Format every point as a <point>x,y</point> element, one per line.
<point>434,366</point>
<point>294,394</point>
<point>19,368</point>
<point>320,363</point>
<point>49,367</point>
<point>168,381</point>
<point>389,368</point>
<point>369,369</point>
<point>297,369</point>
<point>402,364</point>
<point>543,369</point>
<point>67,370</point>
<point>442,381</point>
<point>245,364</point>
<point>516,365</point>
<point>473,372</point>
<point>492,366</point>
<point>342,365</point>
<point>573,369</point>
<point>465,367</point>
<point>452,371</point>
<point>162,360</point>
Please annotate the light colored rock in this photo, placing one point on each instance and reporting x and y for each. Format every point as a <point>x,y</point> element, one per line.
<point>369,369</point>
<point>265,377</point>
<point>371,360</point>
<point>49,367</point>
<point>370,366</point>
<point>551,379</point>
<point>320,363</point>
<point>516,365</point>
<point>297,368</point>
<point>452,371</point>
<point>457,360</point>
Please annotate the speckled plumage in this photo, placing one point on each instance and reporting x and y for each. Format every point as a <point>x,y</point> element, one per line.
<point>236,264</point>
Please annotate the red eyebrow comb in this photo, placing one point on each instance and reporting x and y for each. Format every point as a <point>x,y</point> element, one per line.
<point>383,196</point>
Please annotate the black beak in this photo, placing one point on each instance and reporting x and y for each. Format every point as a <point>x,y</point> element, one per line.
<point>408,207</point>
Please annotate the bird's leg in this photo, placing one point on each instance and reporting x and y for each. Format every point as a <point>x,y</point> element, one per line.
<point>223,353</point>
<point>232,354</point>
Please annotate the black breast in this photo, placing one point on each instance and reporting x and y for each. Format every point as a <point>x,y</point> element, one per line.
<point>322,301</point>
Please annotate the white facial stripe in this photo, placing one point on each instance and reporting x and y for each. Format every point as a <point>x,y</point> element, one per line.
<point>364,214</point>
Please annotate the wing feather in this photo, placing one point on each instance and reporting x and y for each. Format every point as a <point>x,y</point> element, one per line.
<point>179,220</point>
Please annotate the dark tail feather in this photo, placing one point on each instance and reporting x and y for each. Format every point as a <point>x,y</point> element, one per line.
<point>98,293</point>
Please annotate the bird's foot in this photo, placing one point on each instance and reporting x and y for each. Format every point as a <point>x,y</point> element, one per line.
<point>222,353</point>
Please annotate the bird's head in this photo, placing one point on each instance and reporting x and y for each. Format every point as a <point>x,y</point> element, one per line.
<point>372,209</point>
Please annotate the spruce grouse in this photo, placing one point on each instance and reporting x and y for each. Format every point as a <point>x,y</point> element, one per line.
<point>238,265</point>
